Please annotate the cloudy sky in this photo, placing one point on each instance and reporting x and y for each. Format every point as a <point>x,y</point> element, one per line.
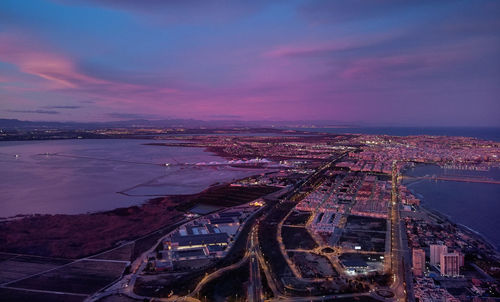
<point>425,63</point>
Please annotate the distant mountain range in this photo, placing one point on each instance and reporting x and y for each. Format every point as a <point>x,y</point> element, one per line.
<point>181,123</point>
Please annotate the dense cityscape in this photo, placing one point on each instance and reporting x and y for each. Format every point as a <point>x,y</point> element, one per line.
<point>324,217</point>
<point>249,150</point>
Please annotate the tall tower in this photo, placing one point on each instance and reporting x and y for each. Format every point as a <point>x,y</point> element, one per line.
<point>418,257</point>
<point>450,264</point>
<point>436,251</point>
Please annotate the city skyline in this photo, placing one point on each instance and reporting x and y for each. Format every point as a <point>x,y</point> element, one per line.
<point>391,63</point>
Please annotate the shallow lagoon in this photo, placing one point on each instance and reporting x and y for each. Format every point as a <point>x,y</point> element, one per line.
<point>96,175</point>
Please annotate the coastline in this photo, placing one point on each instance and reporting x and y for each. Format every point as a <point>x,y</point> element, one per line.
<point>90,232</point>
<point>468,230</point>
<point>57,235</point>
<point>33,186</point>
<point>464,228</point>
<point>427,207</point>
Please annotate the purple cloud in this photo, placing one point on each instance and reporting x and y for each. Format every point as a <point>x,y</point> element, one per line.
<point>425,62</point>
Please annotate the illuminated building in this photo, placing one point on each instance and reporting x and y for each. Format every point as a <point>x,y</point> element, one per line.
<point>450,264</point>
<point>418,257</point>
<point>436,251</point>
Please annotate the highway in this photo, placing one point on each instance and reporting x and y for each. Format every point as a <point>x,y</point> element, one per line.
<point>251,256</point>
<point>254,258</point>
<point>209,277</point>
<point>218,273</point>
<point>255,288</point>
<point>125,285</point>
<point>321,298</point>
<point>267,272</point>
<point>400,264</point>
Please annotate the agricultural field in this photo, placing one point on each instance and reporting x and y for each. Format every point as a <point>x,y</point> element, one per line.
<point>16,267</point>
<point>81,277</point>
<point>10,295</point>
<point>123,253</point>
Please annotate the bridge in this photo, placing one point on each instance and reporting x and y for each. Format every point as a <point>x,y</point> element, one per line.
<point>456,178</point>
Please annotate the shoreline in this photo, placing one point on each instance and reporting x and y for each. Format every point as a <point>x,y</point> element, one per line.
<point>140,199</point>
<point>90,232</point>
<point>96,232</point>
<point>449,218</point>
<point>462,227</point>
<point>147,199</point>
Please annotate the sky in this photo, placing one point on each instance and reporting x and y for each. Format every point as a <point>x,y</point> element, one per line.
<point>373,62</point>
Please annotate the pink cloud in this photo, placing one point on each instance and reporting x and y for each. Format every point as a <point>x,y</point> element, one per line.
<point>57,69</point>
<point>428,62</point>
<point>62,73</point>
<point>329,47</point>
